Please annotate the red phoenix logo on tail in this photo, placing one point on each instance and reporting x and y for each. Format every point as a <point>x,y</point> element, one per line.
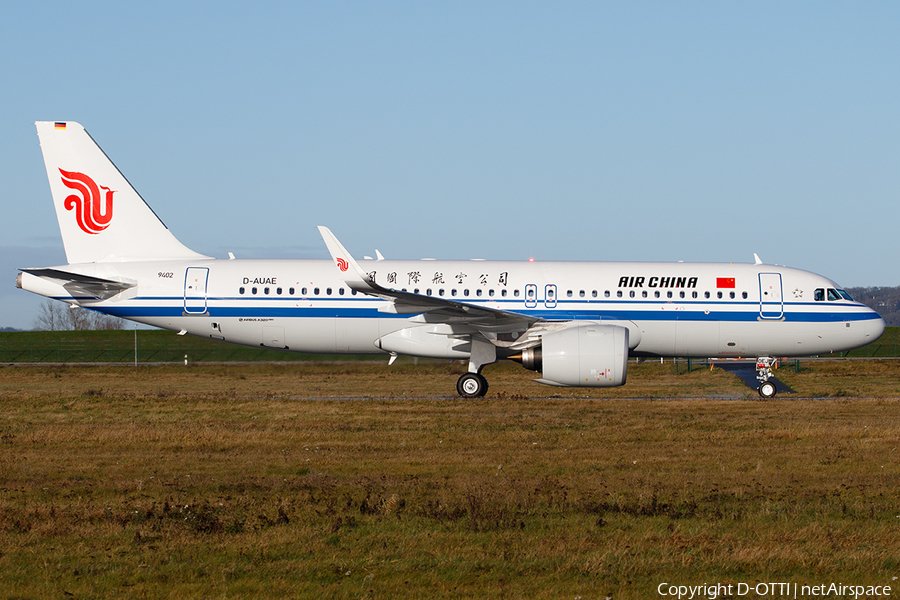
<point>342,264</point>
<point>92,211</point>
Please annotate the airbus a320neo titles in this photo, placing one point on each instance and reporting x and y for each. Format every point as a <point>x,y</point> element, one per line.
<point>576,322</point>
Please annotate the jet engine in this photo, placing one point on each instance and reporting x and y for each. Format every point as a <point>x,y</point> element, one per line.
<point>589,355</point>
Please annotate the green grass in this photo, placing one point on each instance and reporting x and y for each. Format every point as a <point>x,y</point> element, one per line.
<point>262,481</point>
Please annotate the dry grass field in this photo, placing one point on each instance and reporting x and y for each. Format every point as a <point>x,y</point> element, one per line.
<point>364,481</point>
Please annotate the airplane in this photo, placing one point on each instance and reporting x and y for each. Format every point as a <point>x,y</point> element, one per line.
<point>577,323</point>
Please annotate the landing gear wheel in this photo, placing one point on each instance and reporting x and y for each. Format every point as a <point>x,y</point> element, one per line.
<point>767,389</point>
<point>472,385</point>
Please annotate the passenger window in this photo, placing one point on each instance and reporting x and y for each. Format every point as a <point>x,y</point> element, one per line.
<point>656,294</point>
<point>644,294</point>
<point>668,294</point>
<point>516,293</point>
<point>569,294</point>
<point>619,294</point>
<point>631,294</point>
<point>278,291</point>
<point>291,291</point>
<point>581,294</point>
<point>731,295</point>
<point>594,294</point>
<point>706,294</point>
<point>340,291</point>
<point>241,291</point>
<point>478,293</point>
<point>681,294</point>
<point>303,291</point>
<point>719,295</point>
<point>819,295</point>
<point>253,290</point>
<point>606,294</point>
<point>315,291</point>
<point>453,292</point>
<point>693,294</point>
<point>503,293</point>
<point>491,293</point>
<point>441,292</point>
<point>266,291</point>
<point>744,295</point>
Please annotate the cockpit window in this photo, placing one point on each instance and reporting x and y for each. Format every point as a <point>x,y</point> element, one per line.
<point>833,295</point>
<point>819,295</point>
<point>845,295</point>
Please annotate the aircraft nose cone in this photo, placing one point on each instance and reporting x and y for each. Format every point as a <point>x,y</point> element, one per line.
<point>874,329</point>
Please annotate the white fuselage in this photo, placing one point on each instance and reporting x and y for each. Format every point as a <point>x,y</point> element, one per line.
<point>671,309</point>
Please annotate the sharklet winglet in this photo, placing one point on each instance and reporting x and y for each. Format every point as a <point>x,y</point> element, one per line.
<point>354,276</point>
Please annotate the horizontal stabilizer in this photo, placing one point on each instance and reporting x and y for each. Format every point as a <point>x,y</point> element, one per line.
<point>83,285</point>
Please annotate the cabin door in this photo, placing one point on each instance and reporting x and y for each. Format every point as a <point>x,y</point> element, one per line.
<point>771,302</point>
<point>195,290</point>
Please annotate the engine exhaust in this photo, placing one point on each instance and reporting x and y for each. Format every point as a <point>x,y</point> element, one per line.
<point>530,358</point>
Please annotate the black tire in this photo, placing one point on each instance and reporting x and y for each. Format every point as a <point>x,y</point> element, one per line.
<point>472,385</point>
<point>767,389</point>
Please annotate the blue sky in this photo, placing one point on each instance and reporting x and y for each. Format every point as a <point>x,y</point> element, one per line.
<point>700,131</point>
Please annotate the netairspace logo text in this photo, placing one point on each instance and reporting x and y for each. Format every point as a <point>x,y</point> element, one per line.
<point>772,590</point>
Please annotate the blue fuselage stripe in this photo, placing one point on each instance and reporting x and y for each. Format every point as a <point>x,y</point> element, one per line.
<point>313,308</point>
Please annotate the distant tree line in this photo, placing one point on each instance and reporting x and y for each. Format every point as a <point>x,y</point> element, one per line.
<point>57,316</point>
<point>885,300</point>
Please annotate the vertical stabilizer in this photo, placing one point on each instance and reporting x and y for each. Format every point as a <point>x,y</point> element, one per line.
<point>101,217</point>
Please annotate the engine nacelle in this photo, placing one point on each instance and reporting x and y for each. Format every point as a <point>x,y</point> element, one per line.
<point>589,355</point>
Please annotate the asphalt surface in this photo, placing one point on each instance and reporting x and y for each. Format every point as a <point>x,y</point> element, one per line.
<point>746,371</point>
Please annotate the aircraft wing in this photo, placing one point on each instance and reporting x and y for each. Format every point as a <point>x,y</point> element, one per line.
<point>489,321</point>
<point>83,285</point>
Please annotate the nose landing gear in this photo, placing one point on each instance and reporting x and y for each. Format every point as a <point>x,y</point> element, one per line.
<point>764,373</point>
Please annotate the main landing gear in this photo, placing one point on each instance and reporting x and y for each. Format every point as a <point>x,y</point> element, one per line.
<point>473,384</point>
<point>764,373</point>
